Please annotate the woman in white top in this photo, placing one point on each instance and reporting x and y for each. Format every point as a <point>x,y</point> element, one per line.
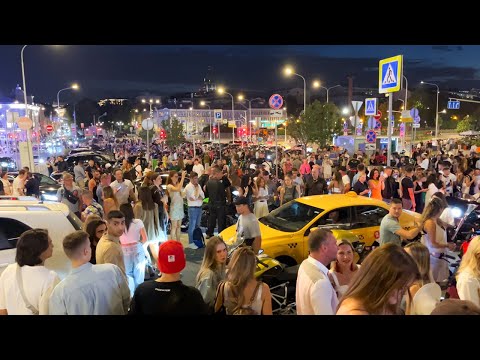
<point>327,167</point>
<point>26,285</point>
<point>336,185</point>
<point>7,187</point>
<point>260,196</point>
<point>435,238</point>
<point>468,275</point>
<point>132,241</point>
<point>425,304</point>
<point>432,182</point>
<point>343,269</point>
<point>176,193</point>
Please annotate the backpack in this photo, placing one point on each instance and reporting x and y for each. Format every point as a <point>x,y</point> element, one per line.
<point>198,238</point>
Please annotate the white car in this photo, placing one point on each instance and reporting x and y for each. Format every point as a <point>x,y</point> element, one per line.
<point>19,214</point>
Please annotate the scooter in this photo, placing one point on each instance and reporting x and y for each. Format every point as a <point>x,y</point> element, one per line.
<point>281,280</point>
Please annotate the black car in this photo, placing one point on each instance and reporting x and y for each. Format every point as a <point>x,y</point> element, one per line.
<point>101,159</point>
<point>8,164</point>
<point>48,186</point>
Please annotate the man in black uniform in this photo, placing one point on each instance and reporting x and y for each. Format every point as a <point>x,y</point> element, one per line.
<point>215,191</point>
<point>61,164</point>
<point>316,185</point>
<point>388,185</point>
<point>168,295</point>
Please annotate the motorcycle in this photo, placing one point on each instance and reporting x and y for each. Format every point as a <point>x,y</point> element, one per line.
<point>281,279</point>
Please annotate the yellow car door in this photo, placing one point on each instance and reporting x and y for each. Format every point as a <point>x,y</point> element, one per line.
<point>366,221</point>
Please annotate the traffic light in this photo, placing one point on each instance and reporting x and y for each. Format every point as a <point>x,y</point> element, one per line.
<point>163,134</point>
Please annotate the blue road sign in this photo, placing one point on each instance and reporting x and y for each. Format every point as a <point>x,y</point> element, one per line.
<point>345,126</point>
<point>455,105</point>
<point>275,101</point>
<point>371,136</point>
<point>390,74</point>
<point>378,125</point>
<point>370,107</point>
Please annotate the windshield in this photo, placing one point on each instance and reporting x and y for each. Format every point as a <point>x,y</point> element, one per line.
<point>291,217</point>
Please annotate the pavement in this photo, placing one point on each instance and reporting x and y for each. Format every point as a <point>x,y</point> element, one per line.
<point>194,260</point>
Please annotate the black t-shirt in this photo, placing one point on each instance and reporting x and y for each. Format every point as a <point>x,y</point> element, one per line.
<point>32,187</point>
<point>407,183</point>
<point>359,187</point>
<point>353,164</point>
<point>167,298</point>
<point>189,168</point>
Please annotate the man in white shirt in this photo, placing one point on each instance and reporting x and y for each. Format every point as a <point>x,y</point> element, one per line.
<point>198,167</point>
<point>195,198</point>
<point>19,183</point>
<point>122,188</point>
<point>345,179</point>
<point>89,289</point>
<point>138,168</point>
<point>425,162</point>
<point>315,294</point>
<point>449,180</point>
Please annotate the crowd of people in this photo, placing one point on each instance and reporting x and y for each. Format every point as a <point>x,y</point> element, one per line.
<point>126,230</point>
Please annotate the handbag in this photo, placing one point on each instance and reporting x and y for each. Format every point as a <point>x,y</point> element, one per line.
<point>219,307</point>
<point>22,292</point>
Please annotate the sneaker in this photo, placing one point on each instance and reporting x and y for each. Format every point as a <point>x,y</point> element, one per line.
<point>192,246</point>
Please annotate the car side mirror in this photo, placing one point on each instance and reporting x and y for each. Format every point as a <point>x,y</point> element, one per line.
<point>260,251</point>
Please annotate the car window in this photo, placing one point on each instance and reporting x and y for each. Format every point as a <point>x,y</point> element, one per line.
<point>367,216</point>
<point>10,231</point>
<point>291,217</point>
<point>334,219</point>
<point>45,180</point>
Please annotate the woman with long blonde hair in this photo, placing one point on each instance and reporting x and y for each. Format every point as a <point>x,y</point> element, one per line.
<point>241,285</point>
<point>424,282</point>
<point>212,270</point>
<point>435,238</point>
<point>468,275</point>
<point>260,195</point>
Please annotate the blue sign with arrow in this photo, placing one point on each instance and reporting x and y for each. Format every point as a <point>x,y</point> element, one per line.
<point>455,105</point>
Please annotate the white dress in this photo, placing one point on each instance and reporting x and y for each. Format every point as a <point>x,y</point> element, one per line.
<point>438,266</point>
<point>260,207</point>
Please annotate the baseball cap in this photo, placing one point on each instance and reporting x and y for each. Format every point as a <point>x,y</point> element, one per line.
<point>241,200</point>
<point>171,257</point>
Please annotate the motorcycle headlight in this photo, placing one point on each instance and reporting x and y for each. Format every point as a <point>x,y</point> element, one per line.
<point>457,212</point>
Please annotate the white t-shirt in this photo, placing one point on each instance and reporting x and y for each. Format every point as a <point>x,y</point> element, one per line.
<point>424,164</point>
<point>138,171</point>
<point>190,193</point>
<point>123,190</point>
<point>346,180</point>
<point>133,233</point>
<point>18,184</point>
<point>199,169</point>
<point>448,181</point>
<point>38,284</point>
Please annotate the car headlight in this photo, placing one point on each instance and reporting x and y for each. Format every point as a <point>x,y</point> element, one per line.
<point>4,164</point>
<point>48,197</point>
<point>457,212</point>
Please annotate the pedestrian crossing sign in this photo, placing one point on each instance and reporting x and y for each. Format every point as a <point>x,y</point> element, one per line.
<point>370,107</point>
<point>390,74</point>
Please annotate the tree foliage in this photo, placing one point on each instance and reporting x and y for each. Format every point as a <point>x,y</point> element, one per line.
<point>174,131</point>
<point>320,123</point>
<point>465,124</point>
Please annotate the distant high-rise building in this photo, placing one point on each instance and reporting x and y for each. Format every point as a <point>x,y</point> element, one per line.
<point>208,82</point>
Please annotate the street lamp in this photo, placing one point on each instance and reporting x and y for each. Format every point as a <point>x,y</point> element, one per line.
<point>241,98</point>
<point>150,103</point>
<point>289,71</point>
<point>203,103</point>
<point>221,91</point>
<point>436,112</point>
<point>31,164</point>
<point>73,87</point>
<point>316,84</point>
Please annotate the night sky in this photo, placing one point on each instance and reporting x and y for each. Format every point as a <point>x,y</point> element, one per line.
<point>130,70</point>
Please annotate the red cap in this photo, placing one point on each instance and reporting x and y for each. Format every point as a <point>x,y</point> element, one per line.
<point>171,257</point>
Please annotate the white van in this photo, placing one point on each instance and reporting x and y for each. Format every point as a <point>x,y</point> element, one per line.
<point>22,213</point>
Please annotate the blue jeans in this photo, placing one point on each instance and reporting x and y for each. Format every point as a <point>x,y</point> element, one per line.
<point>194,218</point>
<point>134,258</point>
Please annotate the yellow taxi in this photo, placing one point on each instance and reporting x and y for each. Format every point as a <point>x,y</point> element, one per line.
<point>354,218</point>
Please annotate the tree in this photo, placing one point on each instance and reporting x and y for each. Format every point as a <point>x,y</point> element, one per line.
<point>174,130</point>
<point>320,123</point>
<point>465,124</point>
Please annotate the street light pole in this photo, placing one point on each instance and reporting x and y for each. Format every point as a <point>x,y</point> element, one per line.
<point>30,162</point>
<point>203,103</point>
<point>222,91</point>
<point>436,112</point>
<point>316,84</point>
